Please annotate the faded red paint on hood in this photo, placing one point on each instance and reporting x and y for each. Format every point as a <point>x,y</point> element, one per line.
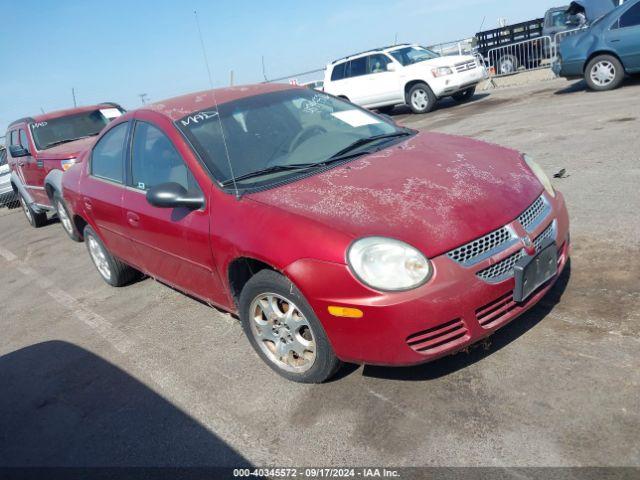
<point>67,150</point>
<point>434,191</point>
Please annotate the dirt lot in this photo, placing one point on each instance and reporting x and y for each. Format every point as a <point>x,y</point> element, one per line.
<point>92,375</point>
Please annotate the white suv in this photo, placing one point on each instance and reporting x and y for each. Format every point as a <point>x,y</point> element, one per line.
<point>403,74</point>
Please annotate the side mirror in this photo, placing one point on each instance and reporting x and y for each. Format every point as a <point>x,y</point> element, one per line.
<point>391,67</point>
<point>17,151</point>
<point>173,195</point>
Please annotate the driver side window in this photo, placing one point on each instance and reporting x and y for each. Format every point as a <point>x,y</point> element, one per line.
<point>154,160</point>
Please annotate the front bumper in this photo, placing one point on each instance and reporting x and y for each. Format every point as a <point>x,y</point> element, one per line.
<point>450,85</point>
<point>452,311</point>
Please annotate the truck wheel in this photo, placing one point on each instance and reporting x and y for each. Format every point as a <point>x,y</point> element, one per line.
<point>508,64</point>
<point>65,218</point>
<point>465,95</point>
<point>112,270</point>
<point>35,219</point>
<point>284,330</point>
<point>604,72</point>
<point>421,99</point>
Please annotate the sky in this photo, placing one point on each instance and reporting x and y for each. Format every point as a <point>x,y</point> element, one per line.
<point>114,50</point>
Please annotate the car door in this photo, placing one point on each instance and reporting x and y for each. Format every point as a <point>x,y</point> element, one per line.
<point>171,244</point>
<point>103,189</point>
<point>356,83</point>
<point>625,39</point>
<point>32,170</point>
<point>381,85</point>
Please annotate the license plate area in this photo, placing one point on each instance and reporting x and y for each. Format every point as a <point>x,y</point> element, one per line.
<point>533,272</point>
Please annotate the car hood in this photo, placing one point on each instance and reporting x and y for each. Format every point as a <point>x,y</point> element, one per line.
<point>433,191</point>
<point>67,150</point>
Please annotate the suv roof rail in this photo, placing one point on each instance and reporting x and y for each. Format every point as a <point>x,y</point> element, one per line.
<point>22,120</point>
<point>371,50</point>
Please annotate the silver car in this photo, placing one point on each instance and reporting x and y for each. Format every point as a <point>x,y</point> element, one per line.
<point>7,196</point>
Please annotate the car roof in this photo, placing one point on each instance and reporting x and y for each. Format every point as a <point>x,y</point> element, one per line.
<point>63,113</point>
<point>389,48</point>
<point>179,107</point>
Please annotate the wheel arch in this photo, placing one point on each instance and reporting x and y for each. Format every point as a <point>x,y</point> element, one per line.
<point>240,270</point>
<point>410,84</point>
<point>53,183</point>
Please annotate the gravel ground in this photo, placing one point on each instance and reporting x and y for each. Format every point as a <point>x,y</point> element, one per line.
<point>143,375</point>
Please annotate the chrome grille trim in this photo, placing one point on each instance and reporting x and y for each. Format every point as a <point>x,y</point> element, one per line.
<point>533,216</point>
<point>483,247</point>
<point>503,270</point>
<point>465,66</point>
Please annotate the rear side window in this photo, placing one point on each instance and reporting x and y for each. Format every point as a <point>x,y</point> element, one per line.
<point>338,72</point>
<point>154,160</point>
<point>358,67</point>
<point>378,63</point>
<point>107,159</point>
<point>631,18</point>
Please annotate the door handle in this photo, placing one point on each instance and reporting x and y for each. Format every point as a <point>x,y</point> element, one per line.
<point>87,204</point>
<point>21,163</point>
<point>615,40</point>
<point>133,219</point>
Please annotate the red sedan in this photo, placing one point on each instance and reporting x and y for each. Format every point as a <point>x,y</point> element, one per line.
<point>333,233</point>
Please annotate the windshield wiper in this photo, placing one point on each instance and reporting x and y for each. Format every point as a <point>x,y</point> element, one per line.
<point>67,140</point>
<point>268,171</point>
<point>366,141</point>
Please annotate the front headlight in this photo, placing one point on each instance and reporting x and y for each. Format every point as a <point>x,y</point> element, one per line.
<point>67,164</point>
<point>539,172</point>
<point>387,264</point>
<point>441,72</point>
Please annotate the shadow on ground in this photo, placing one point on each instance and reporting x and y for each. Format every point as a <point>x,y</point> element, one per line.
<point>581,86</point>
<point>443,104</point>
<point>503,337</point>
<point>64,406</point>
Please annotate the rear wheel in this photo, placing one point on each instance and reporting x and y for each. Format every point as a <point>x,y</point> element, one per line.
<point>508,64</point>
<point>284,330</point>
<point>421,99</point>
<point>65,218</point>
<point>603,73</point>
<point>464,95</point>
<point>35,219</point>
<point>112,270</point>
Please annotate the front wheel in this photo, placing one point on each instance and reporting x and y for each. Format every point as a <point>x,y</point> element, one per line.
<point>464,95</point>
<point>284,330</point>
<point>421,99</point>
<point>35,219</point>
<point>603,73</point>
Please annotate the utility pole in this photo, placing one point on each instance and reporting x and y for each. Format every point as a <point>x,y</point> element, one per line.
<point>231,78</point>
<point>264,70</point>
<point>73,94</point>
<point>143,97</point>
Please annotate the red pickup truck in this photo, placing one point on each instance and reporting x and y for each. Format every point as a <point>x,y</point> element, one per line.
<point>42,147</point>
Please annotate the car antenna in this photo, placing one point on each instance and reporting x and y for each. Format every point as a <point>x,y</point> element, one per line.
<point>213,94</point>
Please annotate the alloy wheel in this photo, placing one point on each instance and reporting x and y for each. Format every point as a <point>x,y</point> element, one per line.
<point>99,257</point>
<point>420,99</point>
<point>603,73</point>
<point>25,209</point>
<point>282,332</point>
<point>64,218</point>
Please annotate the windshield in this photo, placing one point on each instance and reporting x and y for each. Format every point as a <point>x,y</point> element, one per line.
<point>409,55</point>
<point>559,19</point>
<point>72,127</point>
<point>280,131</point>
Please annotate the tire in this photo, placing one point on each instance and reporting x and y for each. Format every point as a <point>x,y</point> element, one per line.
<point>603,73</point>
<point>421,99</point>
<point>35,219</point>
<point>275,333</point>
<point>112,270</point>
<point>65,218</point>
<point>465,95</point>
<point>388,110</point>
<point>508,64</point>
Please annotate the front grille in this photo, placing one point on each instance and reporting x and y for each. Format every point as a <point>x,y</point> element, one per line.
<point>535,214</point>
<point>447,334</point>
<point>492,313</point>
<point>463,67</point>
<point>504,269</point>
<point>483,247</point>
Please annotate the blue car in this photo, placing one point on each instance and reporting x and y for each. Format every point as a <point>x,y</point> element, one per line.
<point>604,52</point>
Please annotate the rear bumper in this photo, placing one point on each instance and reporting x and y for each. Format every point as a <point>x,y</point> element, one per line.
<point>452,311</point>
